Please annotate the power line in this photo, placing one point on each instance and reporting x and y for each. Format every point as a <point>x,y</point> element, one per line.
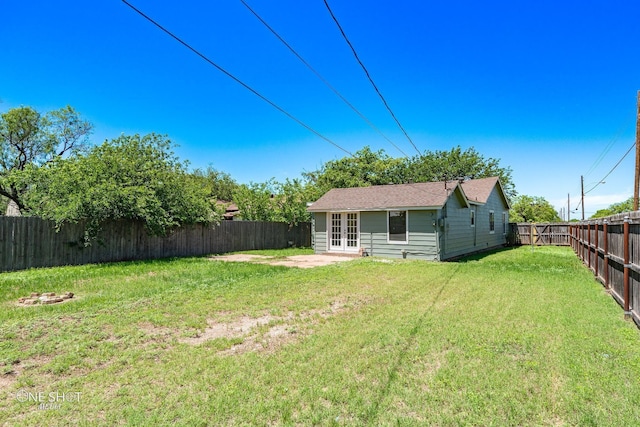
<point>612,169</point>
<point>320,76</point>
<point>607,148</point>
<point>237,80</point>
<point>369,76</point>
<point>608,173</point>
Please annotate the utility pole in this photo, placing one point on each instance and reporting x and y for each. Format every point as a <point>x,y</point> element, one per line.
<point>568,208</point>
<point>636,187</point>
<point>582,192</point>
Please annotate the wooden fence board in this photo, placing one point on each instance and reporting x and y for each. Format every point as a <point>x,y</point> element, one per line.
<point>602,252</point>
<point>27,242</point>
<point>556,234</point>
<point>611,248</point>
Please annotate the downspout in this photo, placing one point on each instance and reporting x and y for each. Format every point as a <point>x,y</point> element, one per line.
<point>437,231</point>
<point>475,228</point>
<point>441,230</point>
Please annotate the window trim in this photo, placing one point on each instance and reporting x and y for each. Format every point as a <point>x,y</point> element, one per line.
<point>406,225</point>
<point>473,217</point>
<point>492,222</point>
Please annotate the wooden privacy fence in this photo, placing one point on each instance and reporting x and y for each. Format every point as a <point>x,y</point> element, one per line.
<point>611,249</point>
<point>27,242</point>
<point>555,234</point>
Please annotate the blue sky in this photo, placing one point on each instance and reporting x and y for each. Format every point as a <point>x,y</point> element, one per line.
<point>547,87</point>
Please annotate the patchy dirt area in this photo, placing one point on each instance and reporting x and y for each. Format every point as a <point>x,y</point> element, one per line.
<point>300,261</point>
<point>267,333</point>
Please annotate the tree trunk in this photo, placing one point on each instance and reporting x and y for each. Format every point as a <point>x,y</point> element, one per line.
<point>13,209</point>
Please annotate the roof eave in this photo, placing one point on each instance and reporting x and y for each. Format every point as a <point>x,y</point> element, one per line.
<point>377,209</point>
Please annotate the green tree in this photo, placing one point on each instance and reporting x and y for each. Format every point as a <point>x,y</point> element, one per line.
<point>221,183</point>
<point>454,164</point>
<point>4,203</point>
<point>532,209</point>
<point>291,201</point>
<point>367,167</point>
<point>130,177</point>
<point>274,201</point>
<point>256,202</point>
<point>616,208</point>
<point>363,169</point>
<point>29,140</point>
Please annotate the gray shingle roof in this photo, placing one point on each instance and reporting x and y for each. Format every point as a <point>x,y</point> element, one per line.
<point>419,195</point>
<point>479,190</point>
<point>428,194</point>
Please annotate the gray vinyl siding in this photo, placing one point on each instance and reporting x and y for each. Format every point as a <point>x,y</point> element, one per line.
<point>486,239</point>
<point>422,240</point>
<point>458,234</point>
<point>460,238</point>
<point>320,233</point>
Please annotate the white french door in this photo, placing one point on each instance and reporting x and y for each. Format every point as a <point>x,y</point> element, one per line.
<point>344,232</point>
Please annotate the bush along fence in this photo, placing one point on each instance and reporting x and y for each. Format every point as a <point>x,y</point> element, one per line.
<point>611,249</point>
<point>27,242</point>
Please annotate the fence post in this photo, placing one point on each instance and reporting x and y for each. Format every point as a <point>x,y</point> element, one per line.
<point>589,245</point>
<point>581,241</point>
<point>605,236</point>
<point>597,248</point>
<point>627,266</point>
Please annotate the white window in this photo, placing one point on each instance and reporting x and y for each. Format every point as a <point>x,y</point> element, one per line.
<point>397,227</point>
<point>492,222</point>
<point>473,217</point>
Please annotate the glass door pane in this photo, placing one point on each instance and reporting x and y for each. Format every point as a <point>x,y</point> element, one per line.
<point>352,230</point>
<point>336,231</point>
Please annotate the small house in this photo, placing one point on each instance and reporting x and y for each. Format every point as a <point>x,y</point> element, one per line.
<point>230,210</point>
<point>432,220</point>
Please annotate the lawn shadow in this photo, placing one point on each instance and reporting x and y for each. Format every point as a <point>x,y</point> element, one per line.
<point>481,255</point>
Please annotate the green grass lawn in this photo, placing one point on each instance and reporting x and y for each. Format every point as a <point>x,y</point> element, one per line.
<point>515,337</point>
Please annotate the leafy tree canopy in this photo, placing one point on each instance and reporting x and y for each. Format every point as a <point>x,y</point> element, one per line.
<point>363,169</point>
<point>274,201</point>
<point>4,203</point>
<point>29,139</point>
<point>532,209</point>
<point>221,183</point>
<point>367,167</point>
<point>130,177</point>
<point>454,164</point>
<point>616,208</point>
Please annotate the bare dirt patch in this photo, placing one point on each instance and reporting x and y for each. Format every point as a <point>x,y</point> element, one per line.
<point>11,370</point>
<point>8,379</point>
<point>299,261</point>
<point>267,333</point>
<point>155,331</point>
<point>235,329</point>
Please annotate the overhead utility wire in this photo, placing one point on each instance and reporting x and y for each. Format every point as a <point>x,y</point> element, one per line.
<point>608,173</point>
<point>608,147</point>
<point>237,80</point>
<point>369,76</point>
<point>612,169</point>
<point>320,77</point>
